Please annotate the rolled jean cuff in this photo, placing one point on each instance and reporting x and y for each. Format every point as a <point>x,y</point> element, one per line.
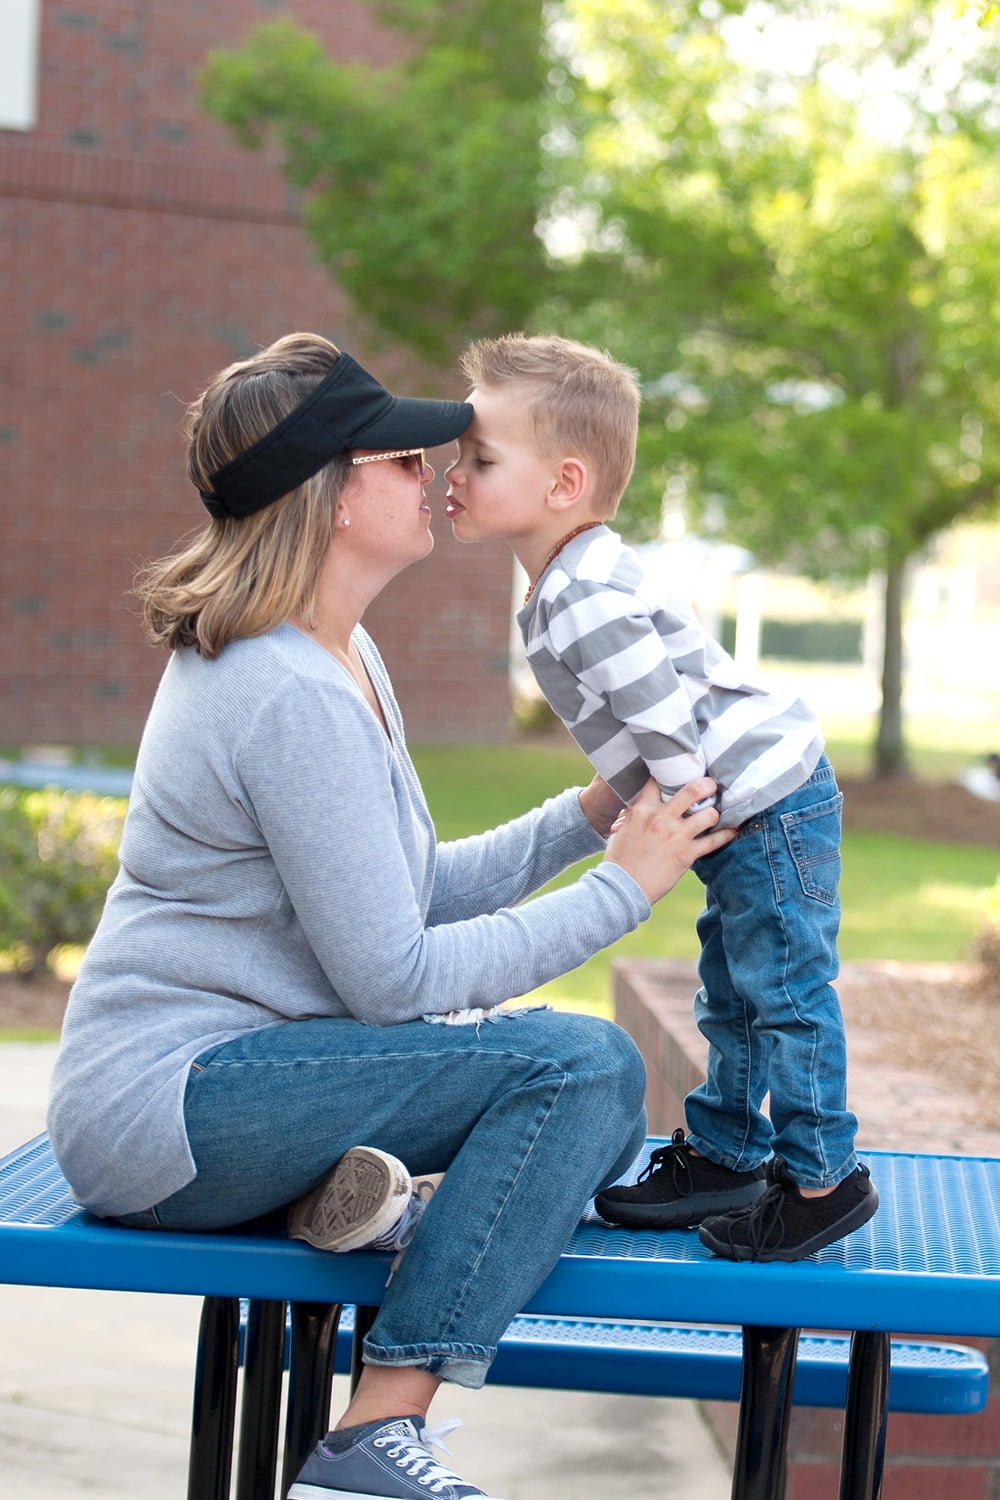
<point>463,1364</point>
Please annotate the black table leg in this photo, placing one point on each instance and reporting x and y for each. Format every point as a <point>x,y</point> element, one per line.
<point>260,1407</point>
<point>310,1380</point>
<point>865,1417</point>
<point>364,1317</point>
<point>211,1453</point>
<point>765,1406</point>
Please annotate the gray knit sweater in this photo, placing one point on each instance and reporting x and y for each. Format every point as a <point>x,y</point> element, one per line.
<point>279,862</point>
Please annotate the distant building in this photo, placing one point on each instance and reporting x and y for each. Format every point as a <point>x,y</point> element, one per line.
<point>141,251</point>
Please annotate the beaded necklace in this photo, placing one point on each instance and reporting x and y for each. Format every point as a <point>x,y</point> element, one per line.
<point>587,526</point>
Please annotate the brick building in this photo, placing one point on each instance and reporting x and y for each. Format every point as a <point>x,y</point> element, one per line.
<point>141,251</point>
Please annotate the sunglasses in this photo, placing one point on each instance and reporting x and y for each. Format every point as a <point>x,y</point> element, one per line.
<point>413,459</point>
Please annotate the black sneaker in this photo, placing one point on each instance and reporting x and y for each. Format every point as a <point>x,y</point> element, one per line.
<point>782,1225</point>
<point>677,1189</point>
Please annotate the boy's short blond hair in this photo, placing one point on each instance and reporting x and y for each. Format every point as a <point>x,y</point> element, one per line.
<point>581,402</point>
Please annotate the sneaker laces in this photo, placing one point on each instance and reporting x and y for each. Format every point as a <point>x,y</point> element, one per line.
<point>763,1221</point>
<point>399,1236</point>
<point>677,1157</point>
<point>412,1455</point>
<point>426,1187</point>
<point>435,1436</point>
<point>402,1232</point>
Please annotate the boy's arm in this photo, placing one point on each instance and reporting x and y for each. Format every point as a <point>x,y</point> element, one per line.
<point>610,673</point>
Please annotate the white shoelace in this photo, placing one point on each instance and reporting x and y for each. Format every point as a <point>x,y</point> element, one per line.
<point>415,1459</point>
<point>399,1235</point>
<point>435,1436</point>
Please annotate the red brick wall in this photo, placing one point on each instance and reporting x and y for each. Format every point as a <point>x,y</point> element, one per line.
<point>927,1457</point>
<point>139,252</point>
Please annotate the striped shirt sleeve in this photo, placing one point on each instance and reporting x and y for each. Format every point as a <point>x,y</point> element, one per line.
<point>625,679</point>
<point>645,690</point>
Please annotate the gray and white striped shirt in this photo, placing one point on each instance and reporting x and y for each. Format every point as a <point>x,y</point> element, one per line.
<point>644,690</point>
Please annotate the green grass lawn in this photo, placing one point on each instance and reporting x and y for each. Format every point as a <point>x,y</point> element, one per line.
<point>903,898</point>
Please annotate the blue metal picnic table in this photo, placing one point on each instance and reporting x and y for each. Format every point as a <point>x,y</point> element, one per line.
<point>928,1263</point>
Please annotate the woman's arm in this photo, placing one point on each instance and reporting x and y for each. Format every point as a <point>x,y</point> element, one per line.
<point>319,772</point>
<point>601,658</point>
<point>486,871</point>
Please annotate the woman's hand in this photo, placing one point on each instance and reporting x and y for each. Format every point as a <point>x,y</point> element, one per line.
<point>600,805</point>
<point>655,843</point>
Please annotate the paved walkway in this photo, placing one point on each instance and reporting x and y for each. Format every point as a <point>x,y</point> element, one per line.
<point>81,1414</point>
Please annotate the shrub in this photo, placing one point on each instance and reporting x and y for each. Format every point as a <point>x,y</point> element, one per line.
<point>802,640</point>
<point>58,855</point>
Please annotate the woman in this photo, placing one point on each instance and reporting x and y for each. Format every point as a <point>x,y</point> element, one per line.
<point>284,928</point>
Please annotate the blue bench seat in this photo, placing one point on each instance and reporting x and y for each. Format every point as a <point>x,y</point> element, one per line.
<point>705,1363</point>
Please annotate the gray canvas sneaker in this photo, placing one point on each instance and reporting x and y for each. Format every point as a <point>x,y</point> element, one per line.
<point>366,1202</point>
<point>391,1462</point>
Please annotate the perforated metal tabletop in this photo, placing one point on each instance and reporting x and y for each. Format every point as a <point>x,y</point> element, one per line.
<point>929,1261</point>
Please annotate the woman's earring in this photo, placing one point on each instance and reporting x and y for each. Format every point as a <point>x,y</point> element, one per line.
<point>346,521</point>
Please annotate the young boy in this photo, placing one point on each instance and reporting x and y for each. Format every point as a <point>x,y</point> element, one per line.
<point>645,691</point>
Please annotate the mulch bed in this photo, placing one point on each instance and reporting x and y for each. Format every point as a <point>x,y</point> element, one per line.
<point>938,810</point>
<point>35,1004</point>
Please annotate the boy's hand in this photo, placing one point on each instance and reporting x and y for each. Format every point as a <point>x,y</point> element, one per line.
<point>656,841</point>
<point>600,805</point>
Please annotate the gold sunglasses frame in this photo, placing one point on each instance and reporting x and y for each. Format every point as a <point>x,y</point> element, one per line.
<point>375,458</point>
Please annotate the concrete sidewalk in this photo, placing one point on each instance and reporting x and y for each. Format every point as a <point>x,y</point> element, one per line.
<point>95,1393</point>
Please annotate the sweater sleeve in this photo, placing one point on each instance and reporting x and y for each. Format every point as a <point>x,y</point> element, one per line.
<point>317,768</point>
<point>625,676</point>
<point>482,873</point>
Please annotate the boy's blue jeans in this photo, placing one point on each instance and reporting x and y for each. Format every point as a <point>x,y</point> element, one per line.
<point>766,1007</point>
<point>528,1116</point>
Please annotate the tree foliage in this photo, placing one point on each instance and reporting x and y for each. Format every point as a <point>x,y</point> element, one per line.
<point>810,280</point>
<point>824,361</point>
<point>783,213</point>
<point>420,180</point>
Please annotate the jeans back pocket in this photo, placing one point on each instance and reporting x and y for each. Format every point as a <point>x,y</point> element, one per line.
<point>813,836</point>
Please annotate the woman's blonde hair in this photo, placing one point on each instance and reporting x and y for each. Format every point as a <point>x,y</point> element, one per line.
<point>580,400</point>
<point>241,577</point>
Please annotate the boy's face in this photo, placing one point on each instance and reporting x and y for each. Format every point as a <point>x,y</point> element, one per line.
<point>498,484</point>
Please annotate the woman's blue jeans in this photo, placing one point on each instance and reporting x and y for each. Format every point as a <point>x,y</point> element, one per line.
<point>766,1007</point>
<point>528,1115</point>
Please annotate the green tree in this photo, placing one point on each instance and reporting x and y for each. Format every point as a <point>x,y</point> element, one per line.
<point>796,245</point>
<point>420,180</point>
<point>807,284</point>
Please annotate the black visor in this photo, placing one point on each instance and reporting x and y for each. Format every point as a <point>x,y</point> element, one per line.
<point>349,409</point>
